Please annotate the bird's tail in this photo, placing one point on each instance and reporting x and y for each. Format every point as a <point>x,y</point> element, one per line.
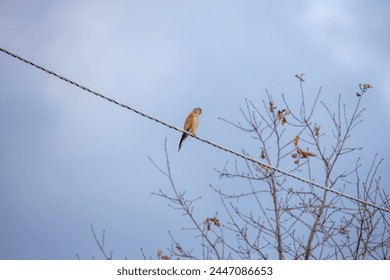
<point>182,140</point>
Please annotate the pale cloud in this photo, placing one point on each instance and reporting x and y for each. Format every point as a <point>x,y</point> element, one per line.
<point>338,31</point>
<point>352,34</point>
<point>164,58</point>
<point>111,47</point>
<point>110,50</point>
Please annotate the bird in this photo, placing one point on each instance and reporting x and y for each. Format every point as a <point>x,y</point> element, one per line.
<point>191,124</point>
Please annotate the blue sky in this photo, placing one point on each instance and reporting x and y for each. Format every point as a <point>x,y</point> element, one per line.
<point>69,159</point>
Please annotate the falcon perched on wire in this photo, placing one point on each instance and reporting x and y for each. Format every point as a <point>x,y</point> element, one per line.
<point>191,124</point>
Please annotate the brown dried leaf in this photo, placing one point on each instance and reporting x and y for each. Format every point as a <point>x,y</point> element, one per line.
<point>207,223</point>
<point>159,253</point>
<point>305,154</point>
<point>363,88</point>
<point>216,222</point>
<point>279,115</point>
<point>165,257</point>
<point>367,86</point>
<point>300,152</point>
<point>296,139</point>
<point>310,154</point>
<point>294,155</point>
<point>284,120</point>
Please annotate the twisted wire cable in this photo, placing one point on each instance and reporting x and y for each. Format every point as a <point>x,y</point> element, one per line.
<point>264,165</point>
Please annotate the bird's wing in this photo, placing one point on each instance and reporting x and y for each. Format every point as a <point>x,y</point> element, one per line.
<point>189,121</point>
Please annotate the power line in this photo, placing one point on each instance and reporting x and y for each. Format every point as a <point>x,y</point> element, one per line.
<point>267,166</point>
